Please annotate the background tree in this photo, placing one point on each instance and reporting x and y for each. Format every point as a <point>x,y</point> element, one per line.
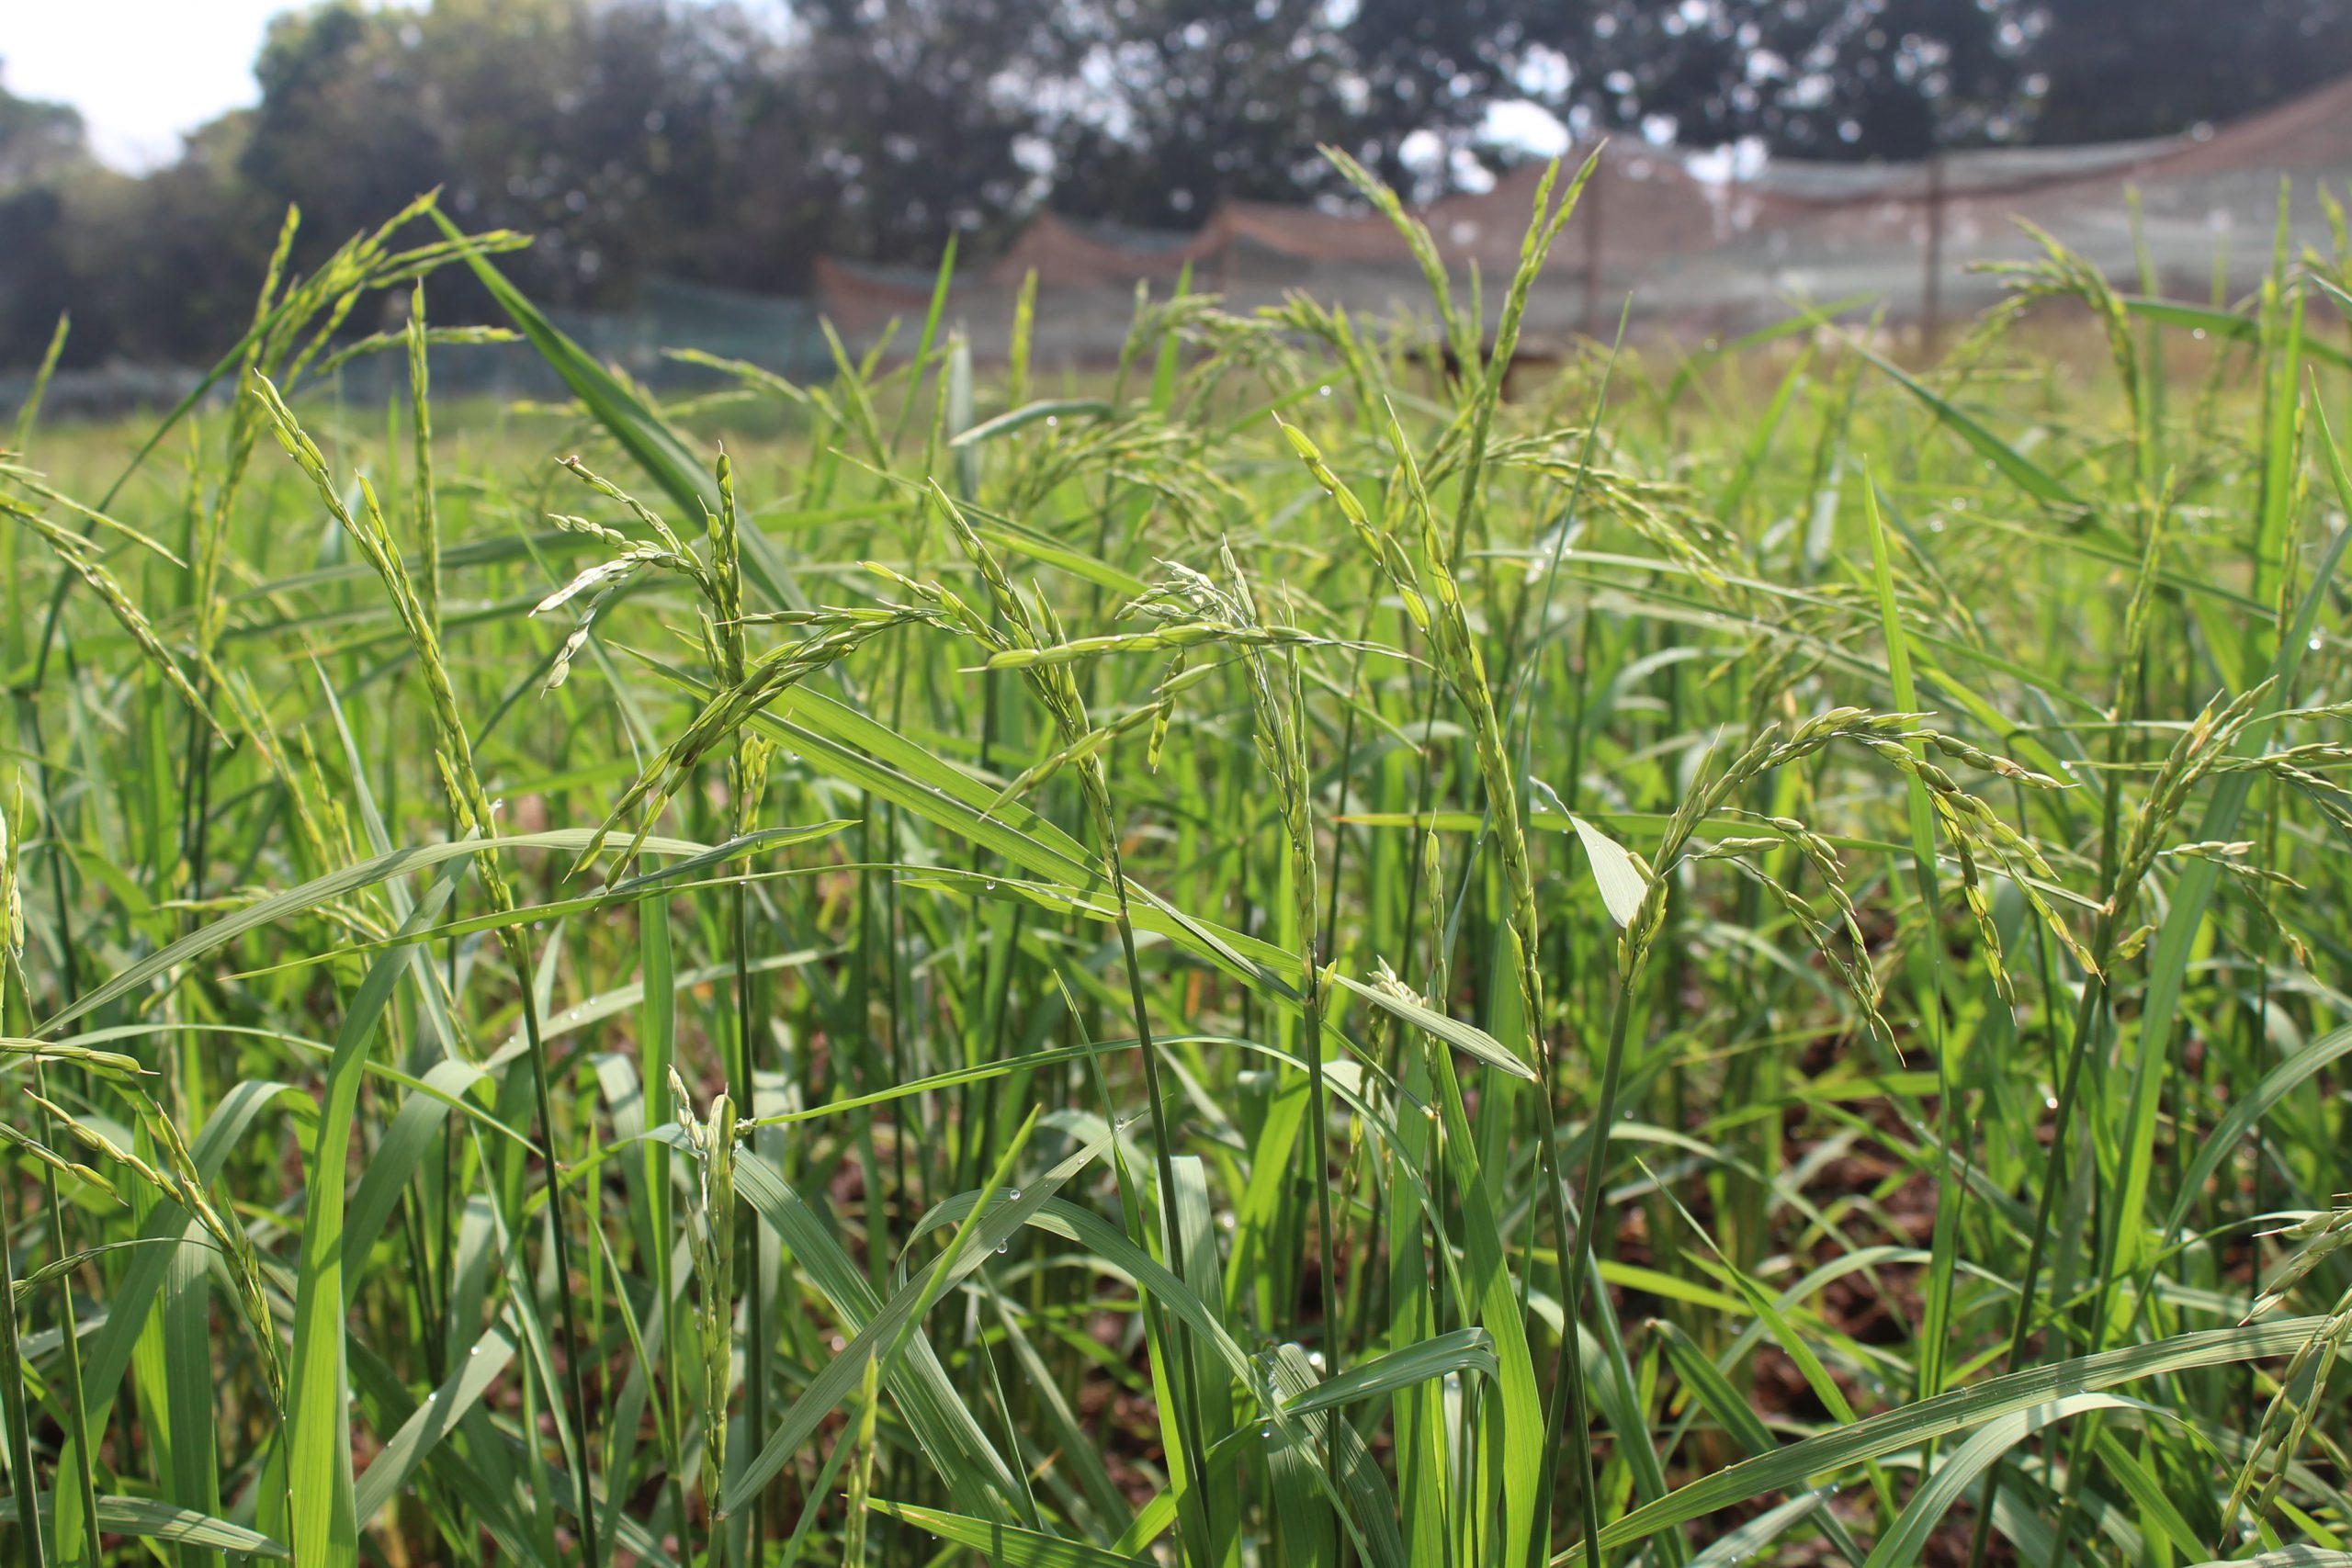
<point>362,107</point>
<point>928,112</point>
<point>2185,60</point>
<point>1172,105</point>
<point>1809,78</point>
<point>163,269</point>
<point>39,140</point>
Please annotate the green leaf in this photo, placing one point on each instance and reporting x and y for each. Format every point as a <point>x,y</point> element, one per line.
<point>1623,885</point>
<point>1806,320</point>
<point>1051,408</point>
<point>2021,471</point>
<point>2249,1108</point>
<point>1006,1544</point>
<point>2185,911</point>
<point>317,1470</point>
<point>1466,1038</point>
<point>151,1521</point>
<point>661,451</point>
<point>335,885</point>
<point>880,1330</point>
<point>1956,1411</point>
<point>443,1409</point>
<point>1463,1350</point>
<point>2231,327</point>
<point>1903,1541</point>
<point>110,1348</point>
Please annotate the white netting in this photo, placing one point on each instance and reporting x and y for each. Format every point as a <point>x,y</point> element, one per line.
<point>1695,255</point>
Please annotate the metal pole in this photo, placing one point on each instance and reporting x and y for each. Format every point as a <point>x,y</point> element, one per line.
<point>1931,297</point>
<point>1590,204</point>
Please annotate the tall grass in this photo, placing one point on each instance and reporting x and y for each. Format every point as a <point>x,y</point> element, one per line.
<point>1271,959</point>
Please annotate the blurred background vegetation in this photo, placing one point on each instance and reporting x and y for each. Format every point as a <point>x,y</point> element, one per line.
<point>732,144</point>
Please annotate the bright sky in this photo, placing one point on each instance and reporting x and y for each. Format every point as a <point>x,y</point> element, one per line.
<point>142,72</point>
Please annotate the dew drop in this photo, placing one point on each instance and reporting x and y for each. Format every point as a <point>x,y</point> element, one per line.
<point>1016,1196</point>
<point>2050,1103</point>
<point>2313,645</point>
<point>1324,391</point>
<point>1001,1247</point>
<point>1266,1431</point>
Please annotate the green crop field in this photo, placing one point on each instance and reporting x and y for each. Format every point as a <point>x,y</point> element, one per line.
<point>1052,971</point>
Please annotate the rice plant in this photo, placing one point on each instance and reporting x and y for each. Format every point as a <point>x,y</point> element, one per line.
<point>1261,956</point>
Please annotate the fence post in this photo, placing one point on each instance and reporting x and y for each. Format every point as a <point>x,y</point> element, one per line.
<point>1931,297</point>
<point>1590,203</point>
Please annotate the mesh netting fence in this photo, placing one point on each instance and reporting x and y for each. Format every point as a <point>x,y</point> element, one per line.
<point>1692,255</point>
<point>1695,254</point>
